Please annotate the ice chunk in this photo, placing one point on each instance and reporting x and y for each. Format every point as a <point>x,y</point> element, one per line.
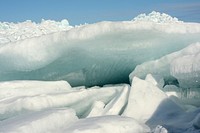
<point>156,17</point>
<point>30,88</point>
<point>114,107</point>
<point>97,109</point>
<point>48,121</point>
<point>80,100</point>
<point>144,98</point>
<point>182,65</point>
<point>10,32</point>
<point>107,124</point>
<point>155,79</point>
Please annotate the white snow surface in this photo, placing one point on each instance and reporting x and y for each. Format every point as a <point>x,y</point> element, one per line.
<point>46,71</point>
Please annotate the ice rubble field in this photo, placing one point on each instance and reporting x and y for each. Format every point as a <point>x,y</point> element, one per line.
<point>56,78</point>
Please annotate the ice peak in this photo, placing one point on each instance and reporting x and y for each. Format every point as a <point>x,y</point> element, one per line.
<point>156,17</point>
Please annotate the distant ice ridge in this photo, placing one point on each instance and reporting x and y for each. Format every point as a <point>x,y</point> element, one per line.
<point>156,17</point>
<point>10,32</point>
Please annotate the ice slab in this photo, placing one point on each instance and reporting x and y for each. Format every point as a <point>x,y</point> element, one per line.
<point>92,54</point>
<point>183,65</point>
<point>144,98</point>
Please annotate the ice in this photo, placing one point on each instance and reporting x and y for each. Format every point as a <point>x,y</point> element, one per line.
<point>48,121</point>
<point>107,124</point>
<point>91,54</point>
<point>144,98</point>
<point>155,79</point>
<point>156,17</point>
<point>114,107</point>
<point>11,32</point>
<point>30,88</point>
<point>56,78</point>
<point>80,100</point>
<point>183,65</point>
<point>97,109</point>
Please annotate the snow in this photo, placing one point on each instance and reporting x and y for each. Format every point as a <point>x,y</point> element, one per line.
<point>31,88</point>
<point>11,32</point>
<point>56,78</point>
<point>50,121</point>
<point>156,17</point>
<point>160,129</point>
<point>107,124</point>
<point>80,100</point>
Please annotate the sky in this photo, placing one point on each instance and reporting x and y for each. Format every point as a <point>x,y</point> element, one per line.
<point>91,11</point>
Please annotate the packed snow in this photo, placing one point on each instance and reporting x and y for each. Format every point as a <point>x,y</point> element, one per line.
<point>138,76</point>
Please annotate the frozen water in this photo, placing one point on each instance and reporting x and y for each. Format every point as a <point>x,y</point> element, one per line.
<point>183,65</point>
<point>156,17</point>
<point>108,124</point>
<point>80,100</point>
<point>91,54</point>
<point>48,121</point>
<point>11,32</point>
<point>144,98</point>
<point>156,47</point>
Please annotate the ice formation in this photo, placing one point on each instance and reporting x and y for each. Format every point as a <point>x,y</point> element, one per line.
<point>94,52</point>
<point>42,66</point>
<point>156,17</point>
<point>10,32</point>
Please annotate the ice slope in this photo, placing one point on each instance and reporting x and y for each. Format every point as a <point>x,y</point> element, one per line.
<point>91,54</point>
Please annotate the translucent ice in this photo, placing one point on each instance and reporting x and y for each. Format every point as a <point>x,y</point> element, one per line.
<point>93,54</point>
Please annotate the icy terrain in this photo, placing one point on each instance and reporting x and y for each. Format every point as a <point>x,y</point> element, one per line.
<point>138,76</point>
